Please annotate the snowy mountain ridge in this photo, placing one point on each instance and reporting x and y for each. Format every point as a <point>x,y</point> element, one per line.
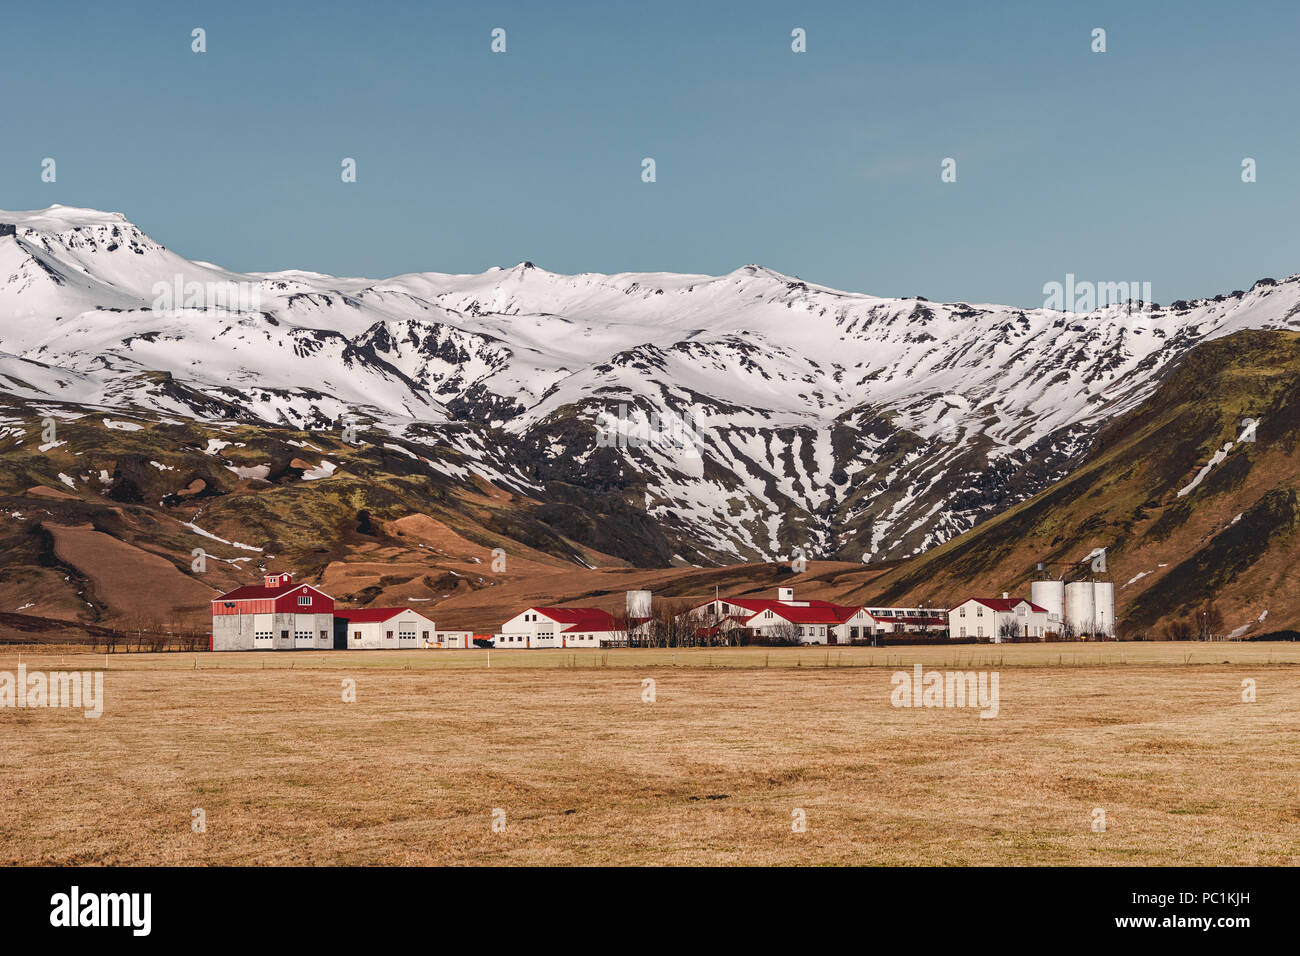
<point>827,423</point>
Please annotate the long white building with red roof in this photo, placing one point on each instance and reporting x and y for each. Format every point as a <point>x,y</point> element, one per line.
<point>385,628</point>
<point>810,622</point>
<point>559,627</point>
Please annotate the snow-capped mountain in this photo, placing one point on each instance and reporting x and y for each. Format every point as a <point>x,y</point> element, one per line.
<point>752,415</point>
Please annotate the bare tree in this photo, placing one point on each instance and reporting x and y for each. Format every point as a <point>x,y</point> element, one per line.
<point>786,634</point>
<point>1211,621</point>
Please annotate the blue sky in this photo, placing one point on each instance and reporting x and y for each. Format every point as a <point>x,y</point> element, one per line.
<point>1115,166</point>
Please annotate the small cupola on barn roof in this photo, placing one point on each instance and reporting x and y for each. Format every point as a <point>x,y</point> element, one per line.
<point>278,580</point>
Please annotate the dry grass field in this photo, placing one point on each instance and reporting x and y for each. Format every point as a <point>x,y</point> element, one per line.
<point>711,772</point>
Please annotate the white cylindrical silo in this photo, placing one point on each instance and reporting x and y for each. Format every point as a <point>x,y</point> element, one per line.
<point>1050,596</point>
<point>638,604</point>
<point>1104,607</point>
<point>1080,609</point>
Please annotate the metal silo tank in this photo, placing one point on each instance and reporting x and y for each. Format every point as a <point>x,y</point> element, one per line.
<point>1050,595</point>
<point>638,604</point>
<point>1080,609</point>
<point>1104,607</point>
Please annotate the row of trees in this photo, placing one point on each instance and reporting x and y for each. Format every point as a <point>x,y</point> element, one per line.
<point>1204,624</point>
<point>674,624</point>
<point>148,632</point>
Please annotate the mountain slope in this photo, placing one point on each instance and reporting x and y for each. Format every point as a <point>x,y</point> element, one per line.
<point>1195,494</point>
<point>784,418</point>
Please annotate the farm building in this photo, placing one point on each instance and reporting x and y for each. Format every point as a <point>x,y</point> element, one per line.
<point>276,615</point>
<point>559,627</point>
<point>807,622</point>
<point>997,619</point>
<point>380,628</point>
<point>910,620</point>
<point>448,640</point>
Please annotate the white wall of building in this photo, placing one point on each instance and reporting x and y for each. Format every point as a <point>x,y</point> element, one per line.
<point>404,631</point>
<point>452,640</point>
<point>531,628</point>
<point>973,619</point>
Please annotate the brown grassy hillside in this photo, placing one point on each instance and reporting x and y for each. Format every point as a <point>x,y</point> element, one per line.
<point>106,522</point>
<point>1230,540</point>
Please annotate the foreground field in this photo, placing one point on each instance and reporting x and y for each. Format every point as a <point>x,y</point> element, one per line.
<point>560,749</point>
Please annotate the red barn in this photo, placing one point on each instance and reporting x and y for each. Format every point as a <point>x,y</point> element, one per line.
<point>276,615</point>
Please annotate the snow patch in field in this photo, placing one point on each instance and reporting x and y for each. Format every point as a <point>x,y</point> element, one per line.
<point>67,481</point>
<point>215,445</point>
<point>122,426</point>
<point>208,534</point>
<point>261,472</point>
<point>323,470</point>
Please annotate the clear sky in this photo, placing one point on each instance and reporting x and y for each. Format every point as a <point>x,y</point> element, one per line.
<point>1115,166</point>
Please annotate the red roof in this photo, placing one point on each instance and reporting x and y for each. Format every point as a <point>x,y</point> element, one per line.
<point>368,615</point>
<point>250,592</point>
<point>1005,604</point>
<point>799,612</point>
<point>579,618</point>
<point>829,614</point>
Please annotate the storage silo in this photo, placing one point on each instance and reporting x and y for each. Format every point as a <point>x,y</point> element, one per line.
<point>1050,596</point>
<point>638,604</point>
<point>1104,607</point>
<point>1080,607</point>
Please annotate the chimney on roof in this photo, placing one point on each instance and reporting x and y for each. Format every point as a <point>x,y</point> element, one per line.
<point>785,594</point>
<point>1005,595</point>
<point>278,580</point>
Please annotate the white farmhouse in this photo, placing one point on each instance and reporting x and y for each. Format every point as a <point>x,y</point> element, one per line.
<point>810,622</point>
<point>559,627</point>
<point>997,619</point>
